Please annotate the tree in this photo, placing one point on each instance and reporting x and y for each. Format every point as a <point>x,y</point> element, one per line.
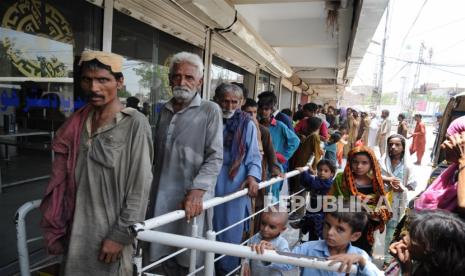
<point>123,93</point>
<point>154,78</point>
<point>145,72</point>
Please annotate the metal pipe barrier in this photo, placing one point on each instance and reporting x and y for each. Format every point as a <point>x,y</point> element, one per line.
<point>22,241</point>
<point>236,250</point>
<point>180,214</point>
<point>23,252</point>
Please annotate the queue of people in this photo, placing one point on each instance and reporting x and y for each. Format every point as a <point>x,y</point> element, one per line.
<point>111,172</point>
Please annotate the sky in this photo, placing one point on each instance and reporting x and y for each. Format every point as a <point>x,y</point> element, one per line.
<point>440,25</point>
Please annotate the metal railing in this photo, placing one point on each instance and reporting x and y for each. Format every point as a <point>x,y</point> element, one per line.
<point>145,232</point>
<point>22,241</point>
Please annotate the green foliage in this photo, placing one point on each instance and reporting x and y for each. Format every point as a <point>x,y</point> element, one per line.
<point>157,74</point>
<point>123,93</point>
<point>145,72</point>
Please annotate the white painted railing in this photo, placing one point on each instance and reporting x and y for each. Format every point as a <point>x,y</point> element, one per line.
<point>180,214</point>
<point>145,232</point>
<point>212,246</point>
<point>22,241</point>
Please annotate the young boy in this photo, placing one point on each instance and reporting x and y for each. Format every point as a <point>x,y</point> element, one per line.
<point>340,229</point>
<point>331,147</point>
<point>319,185</point>
<point>273,223</point>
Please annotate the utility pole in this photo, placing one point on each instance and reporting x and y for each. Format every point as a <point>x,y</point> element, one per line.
<point>379,86</point>
<point>416,78</point>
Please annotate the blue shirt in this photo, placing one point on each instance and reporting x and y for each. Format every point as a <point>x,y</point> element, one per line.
<point>320,249</point>
<point>259,268</point>
<point>315,184</point>
<point>284,140</point>
<point>330,152</point>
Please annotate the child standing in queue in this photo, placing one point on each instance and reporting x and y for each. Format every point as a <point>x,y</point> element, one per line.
<point>341,228</point>
<point>362,179</point>
<point>331,147</point>
<point>318,186</point>
<point>272,224</point>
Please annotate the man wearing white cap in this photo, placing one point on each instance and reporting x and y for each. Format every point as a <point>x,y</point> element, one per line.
<point>101,176</point>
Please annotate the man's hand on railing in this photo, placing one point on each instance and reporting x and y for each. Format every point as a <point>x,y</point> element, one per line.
<point>193,203</point>
<point>110,251</point>
<point>251,183</point>
<point>262,246</point>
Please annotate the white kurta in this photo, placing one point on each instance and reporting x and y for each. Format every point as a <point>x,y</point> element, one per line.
<point>188,155</point>
<point>113,177</point>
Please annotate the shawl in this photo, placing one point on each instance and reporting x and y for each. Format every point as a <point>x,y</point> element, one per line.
<point>387,168</point>
<point>344,185</point>
<point>235,139</point>
<point>309,146</point>
<point>58,204</point>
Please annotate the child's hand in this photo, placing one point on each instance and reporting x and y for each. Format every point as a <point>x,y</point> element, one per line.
<point>400,251</point>
<point>245,269</point>
<point>260,247</point>
<point>311,171</point>
<point>395,184</point>
<point>347,260</point>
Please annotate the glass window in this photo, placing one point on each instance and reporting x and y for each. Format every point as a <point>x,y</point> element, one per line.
<point>267,82</point>
<point>147,52</point>
<point>274,82</point>
<point>39,41</point>
<point>223,71</point>
<point>263,82</point>
<point>286,98</point>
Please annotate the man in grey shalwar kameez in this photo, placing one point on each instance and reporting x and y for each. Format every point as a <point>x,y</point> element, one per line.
<point>189,154</point>
<point>112,172</point>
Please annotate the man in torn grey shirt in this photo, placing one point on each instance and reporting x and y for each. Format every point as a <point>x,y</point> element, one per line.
<point>189,155</point>
<point>110,151</point>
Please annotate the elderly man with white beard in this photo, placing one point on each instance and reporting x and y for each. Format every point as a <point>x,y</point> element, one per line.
<point>188,157</point>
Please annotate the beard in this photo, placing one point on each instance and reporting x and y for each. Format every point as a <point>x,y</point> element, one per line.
<point>183,94</point>
<point>227,114</point>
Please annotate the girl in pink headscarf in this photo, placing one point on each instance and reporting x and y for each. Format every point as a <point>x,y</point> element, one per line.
<point>448,190</point>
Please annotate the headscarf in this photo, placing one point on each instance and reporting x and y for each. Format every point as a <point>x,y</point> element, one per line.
<point>235,138</point>
<point>376,179</point>
<point>382,215</point>
<point>457,126</point>
<point>442,193</point>
<point>405,159</point>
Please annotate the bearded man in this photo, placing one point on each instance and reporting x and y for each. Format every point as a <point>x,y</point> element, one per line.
<point>188,156</point>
